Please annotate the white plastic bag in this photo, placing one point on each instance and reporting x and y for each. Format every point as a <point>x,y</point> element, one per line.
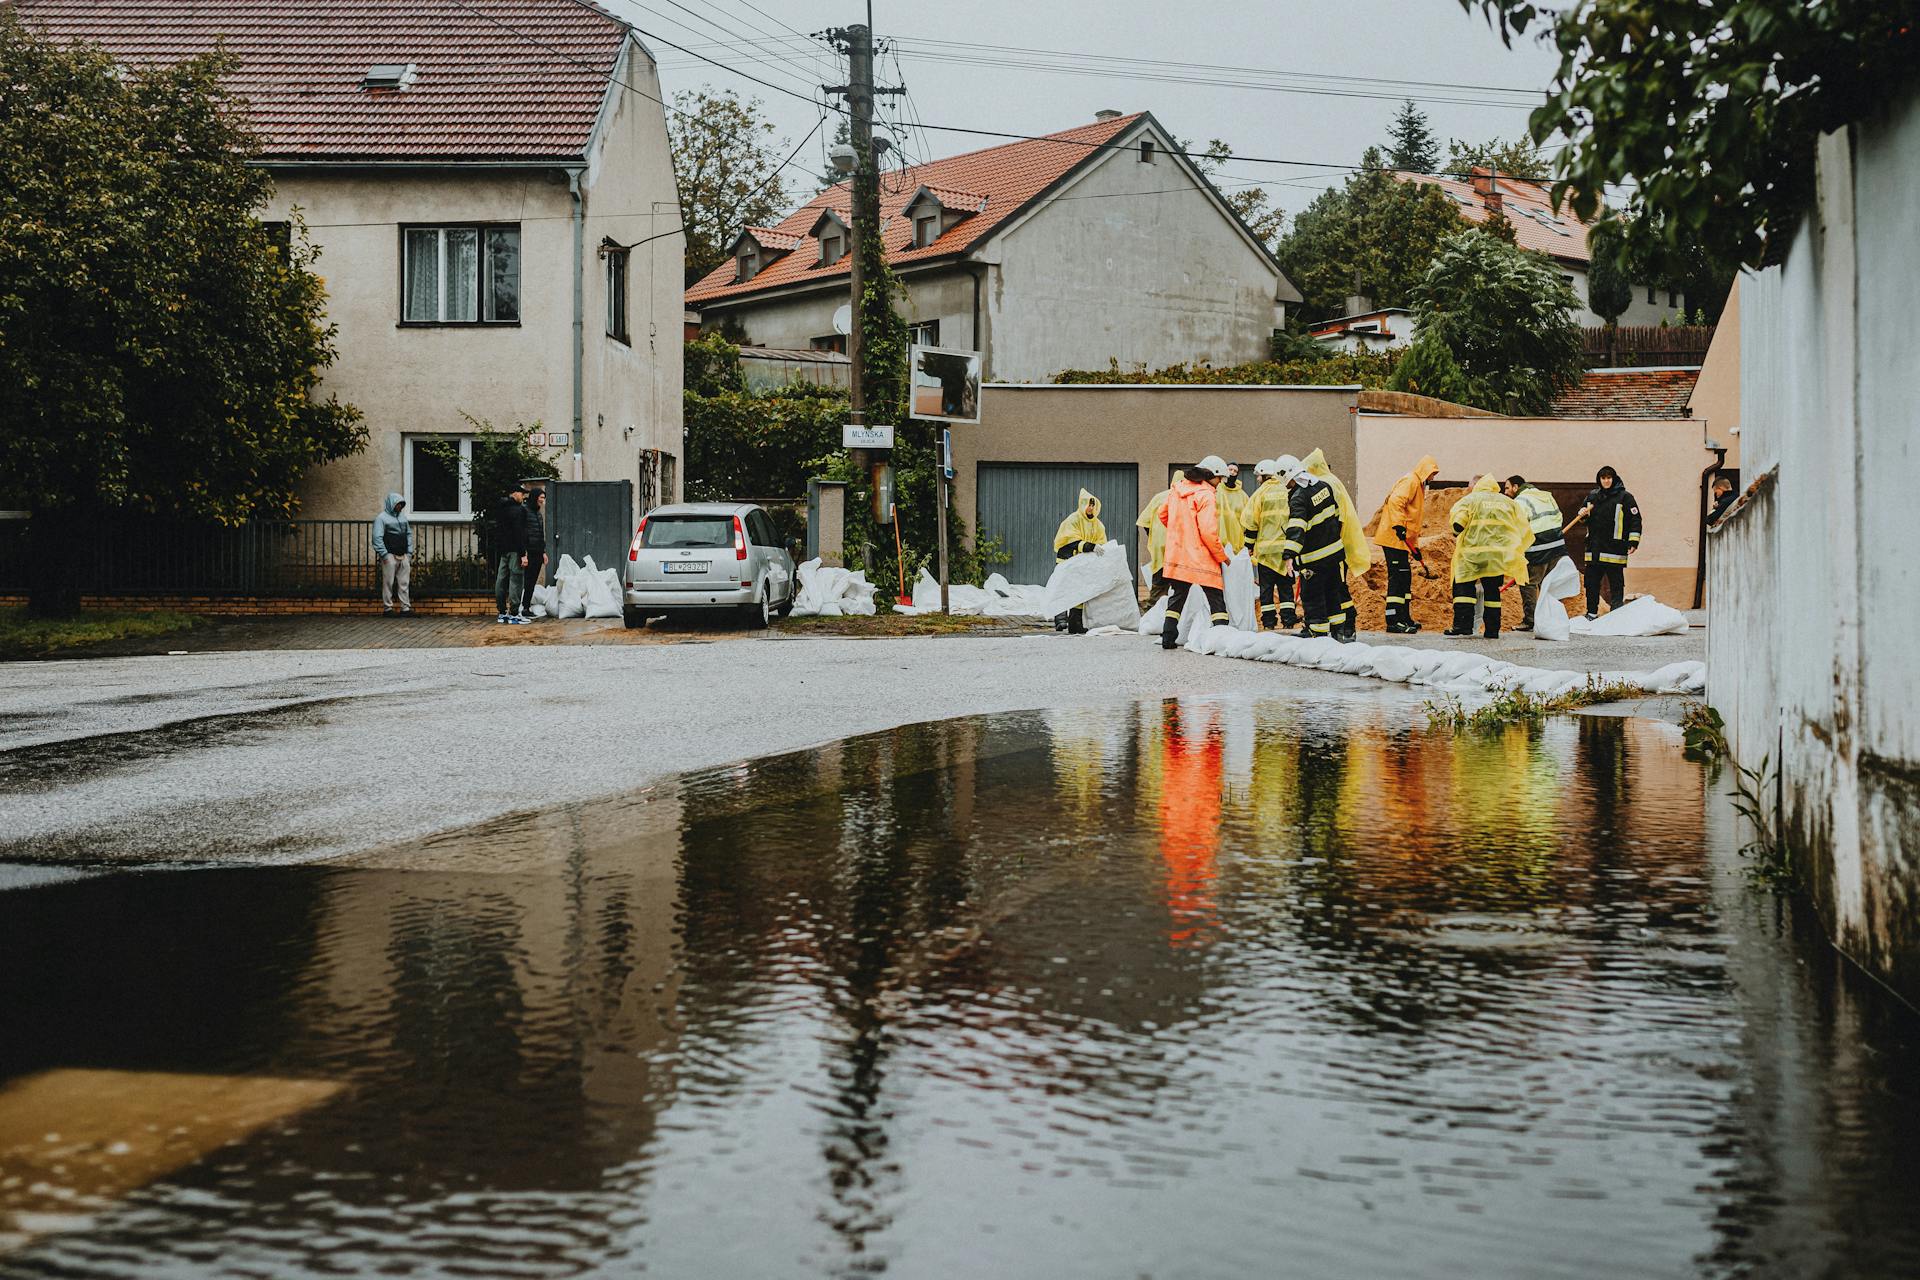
<point>601,593</point>
<point>1643,616</point>
<point>831,592</point>
<point>1243,597</point>
<point>1549,615</point>
<point>1080,578</point>
<point>1114,607</point>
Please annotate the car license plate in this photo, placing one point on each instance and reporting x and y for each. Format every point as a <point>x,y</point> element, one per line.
<point>688,566</point>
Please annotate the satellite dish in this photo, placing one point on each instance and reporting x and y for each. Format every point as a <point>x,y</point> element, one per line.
<point>843,318</point>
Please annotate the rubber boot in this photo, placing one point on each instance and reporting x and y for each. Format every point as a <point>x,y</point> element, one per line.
<point>1492,615</point>
<point>1170,630</point>
<point>1462,620</point>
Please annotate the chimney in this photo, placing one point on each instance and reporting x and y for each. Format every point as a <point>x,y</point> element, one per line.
<point>1486,182</point>
<point>1108,114</point>
<point>1358,304</point>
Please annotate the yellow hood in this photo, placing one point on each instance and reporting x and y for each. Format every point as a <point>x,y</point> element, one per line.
<point>1081,527</point>
<point>1353,539</point>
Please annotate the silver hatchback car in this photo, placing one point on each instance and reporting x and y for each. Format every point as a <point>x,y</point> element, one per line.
<point>708,555</point>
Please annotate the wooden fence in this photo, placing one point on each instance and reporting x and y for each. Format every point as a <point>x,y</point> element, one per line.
<point>1645,346</point>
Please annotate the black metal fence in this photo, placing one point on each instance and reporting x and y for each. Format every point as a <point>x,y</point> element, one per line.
<point>289,558</point>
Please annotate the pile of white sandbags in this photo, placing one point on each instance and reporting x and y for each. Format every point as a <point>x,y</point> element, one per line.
<point>832,592</point>
<point>1099,584</point>
<point>579,591</point>
<point>998,599</point>
<point>1641,616</point>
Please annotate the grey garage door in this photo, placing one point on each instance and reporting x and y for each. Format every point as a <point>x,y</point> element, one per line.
<point>1023,503</point>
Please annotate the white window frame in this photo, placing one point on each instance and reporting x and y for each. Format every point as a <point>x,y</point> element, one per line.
<point>465,512</point>
<point>480,230</point>
<point>926,229</point>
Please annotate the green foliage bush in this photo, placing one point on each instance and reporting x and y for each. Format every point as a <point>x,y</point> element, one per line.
<point>1328,369</point>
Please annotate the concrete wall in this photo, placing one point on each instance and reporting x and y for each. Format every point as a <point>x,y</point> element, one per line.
<point>425,379</point>
<point>793,321</point>
<point>1153,427</point>
<point>1660,461</point>
<point>1716,395</point>
<point>1639,310</point>
<point>1813,601</point>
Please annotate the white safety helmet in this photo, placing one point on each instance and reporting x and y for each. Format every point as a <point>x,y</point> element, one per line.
<point>1213,465</point>
<point>1266,467</point>
<point>1286,466</point>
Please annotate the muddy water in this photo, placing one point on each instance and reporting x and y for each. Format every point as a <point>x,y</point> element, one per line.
<point>1210,989</point>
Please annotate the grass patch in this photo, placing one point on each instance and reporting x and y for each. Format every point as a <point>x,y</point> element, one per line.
<point>897,624</point>
<point>25,637</point>
<point>1516,706</point>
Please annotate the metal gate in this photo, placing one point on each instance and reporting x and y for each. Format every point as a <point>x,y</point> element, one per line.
<point>590,518</point>
<point>1023,503</point>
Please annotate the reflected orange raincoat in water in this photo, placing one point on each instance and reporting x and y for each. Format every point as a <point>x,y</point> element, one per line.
<point>1190,777</point>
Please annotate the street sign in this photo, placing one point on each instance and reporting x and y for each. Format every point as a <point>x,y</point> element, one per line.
<point>946,451</point>
<point>854,436</point>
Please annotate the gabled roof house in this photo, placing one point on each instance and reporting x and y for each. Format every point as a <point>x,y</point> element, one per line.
<point>1097,243</point>
<point>490,187</point>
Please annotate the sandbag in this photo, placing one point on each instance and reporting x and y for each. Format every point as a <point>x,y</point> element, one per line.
<point>1243,596</point>
<point>602,593</point>
<point>1642,616</point>
<point>832,592</point>
<point>1549,615</point>
<point>1115,607</point>
<point>1080,578</point>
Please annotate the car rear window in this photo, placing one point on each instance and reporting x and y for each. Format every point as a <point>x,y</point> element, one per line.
<point>689,531</point>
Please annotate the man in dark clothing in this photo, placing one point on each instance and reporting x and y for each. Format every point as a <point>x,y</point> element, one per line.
<point>510,546</point>
<point>1314,548</point>
<point>1613,534</point>
<point>536,548</point>
<point>1722,500</point>
<point>1549,544</point>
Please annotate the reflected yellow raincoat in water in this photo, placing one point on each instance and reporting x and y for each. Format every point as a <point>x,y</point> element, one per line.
<point>1491,535</point>
<point>1156,532</point>
<point>1265,519</point>
<point>1232,503</point>
<point>1353,539</point>
<point>1081,531</point>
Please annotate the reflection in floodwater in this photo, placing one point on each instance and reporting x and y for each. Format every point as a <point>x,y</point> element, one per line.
<point>1202,988</point>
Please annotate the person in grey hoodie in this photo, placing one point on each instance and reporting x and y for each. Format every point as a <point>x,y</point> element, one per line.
<point>393,548</point>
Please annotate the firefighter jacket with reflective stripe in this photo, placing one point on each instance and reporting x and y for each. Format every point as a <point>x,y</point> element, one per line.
<point>1313,522</point>
<point>1266,516</point>
<point>1543,516</point>
<point>1614,525</point>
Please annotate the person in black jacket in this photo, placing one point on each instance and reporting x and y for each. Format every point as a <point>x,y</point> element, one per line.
<point>1722,499</point>
<point>536,548</point>
<point>510,545</point>
<point>1613,533</point>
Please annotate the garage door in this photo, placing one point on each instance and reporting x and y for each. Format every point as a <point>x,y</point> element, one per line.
<point>1023,503</point>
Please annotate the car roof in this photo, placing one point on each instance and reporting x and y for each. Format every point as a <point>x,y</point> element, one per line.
<point>701,508</point>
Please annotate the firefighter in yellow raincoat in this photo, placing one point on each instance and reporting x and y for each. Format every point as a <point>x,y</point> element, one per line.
<point>1357,552</point>
<point>1077,535</point>
<point>1491,536</point>
<point>1156,543</point>
<point>1231,501</point>
<point>1265,518</point>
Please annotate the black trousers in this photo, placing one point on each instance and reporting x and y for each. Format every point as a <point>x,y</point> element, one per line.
<point>1178,595</point>
<point>1272,582</point>
<point>1611,576</point>
<point>1399,585</point>
<point>1323,597</point>
<point>1489,605</point>
<point>536,556</point>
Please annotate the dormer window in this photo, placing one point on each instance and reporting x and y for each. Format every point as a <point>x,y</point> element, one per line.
<point>747,262</point>
<point>389,75</point>
<point>833,247</point>
<point>926,229</point>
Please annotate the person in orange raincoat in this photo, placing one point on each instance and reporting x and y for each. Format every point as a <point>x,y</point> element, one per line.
<point>1194,552</point>
<point>1398,535</point>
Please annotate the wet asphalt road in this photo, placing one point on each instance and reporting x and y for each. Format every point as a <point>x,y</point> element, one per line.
<point>290,756</point>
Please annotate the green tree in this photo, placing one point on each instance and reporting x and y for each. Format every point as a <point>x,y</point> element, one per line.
<point>1376,235</point>
<point>1712,110</point>
<point>159,346</point>
<point>1254,204</point>
<point>1411,144</point>
<point>1507,319</point>
<point>1609,284</point>
<point>1517,159</point>
<point>728,170</point>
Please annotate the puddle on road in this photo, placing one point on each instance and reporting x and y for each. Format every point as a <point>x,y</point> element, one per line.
<point>1213,988</point>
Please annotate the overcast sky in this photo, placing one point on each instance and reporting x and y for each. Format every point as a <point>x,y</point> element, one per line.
<point>1323,45</point>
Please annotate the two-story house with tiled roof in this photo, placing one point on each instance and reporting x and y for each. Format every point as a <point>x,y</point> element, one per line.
<point>1538,226</point>
<point>490,186</point>
<point>1099,243</point>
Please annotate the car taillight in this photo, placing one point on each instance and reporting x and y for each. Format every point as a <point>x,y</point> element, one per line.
<point>633,548</point>
<point>739,540</point>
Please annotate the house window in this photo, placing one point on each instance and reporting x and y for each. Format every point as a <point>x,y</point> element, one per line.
<point>926,230</point>
<point>925,333</point>
<point>1650,297</point>
<point>832,248</point>
<point>747,265</point>
<point>829,342</point>
<point>617,294</point>
<point>1673,297</point>
<point>1146,151</point>
<point>439,477</point>
<point>460,275</point>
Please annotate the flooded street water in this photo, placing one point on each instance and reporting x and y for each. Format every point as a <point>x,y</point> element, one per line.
<point>1187,989</point>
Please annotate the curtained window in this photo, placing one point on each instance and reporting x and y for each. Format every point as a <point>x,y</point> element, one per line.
<point>460,275</point>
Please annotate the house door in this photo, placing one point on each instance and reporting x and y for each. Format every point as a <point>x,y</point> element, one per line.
<point>1023,503</point>
<point>590,518</point>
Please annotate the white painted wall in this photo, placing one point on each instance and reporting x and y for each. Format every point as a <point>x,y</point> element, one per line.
<point>1814,602</point>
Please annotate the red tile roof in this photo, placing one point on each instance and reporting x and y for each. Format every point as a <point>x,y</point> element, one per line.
<point>1629,393</point>
<point>1006,178</point>
<point>1535,224</point>
<point>771,239</point>
<point>485,90</point>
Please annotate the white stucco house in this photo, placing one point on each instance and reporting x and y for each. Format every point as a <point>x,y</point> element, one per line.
<point>1098,243</point>
<point>490,187</point>
<point>1538,226</point>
